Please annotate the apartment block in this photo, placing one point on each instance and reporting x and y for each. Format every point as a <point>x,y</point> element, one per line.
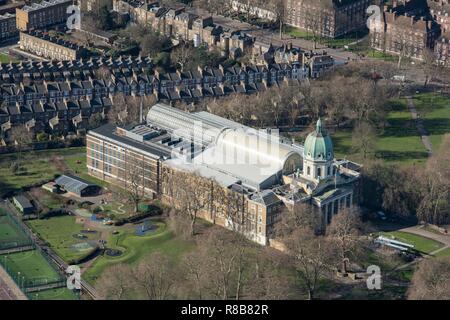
<point>42,15</point>
<point>327,18</point>
<point>7,26</point>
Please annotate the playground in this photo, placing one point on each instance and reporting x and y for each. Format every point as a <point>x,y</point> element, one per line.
<point>65,236</point>
<point>128,247</point>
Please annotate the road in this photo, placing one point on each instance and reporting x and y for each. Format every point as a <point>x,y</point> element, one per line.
<point>8,288</point>
<point>271,36</point>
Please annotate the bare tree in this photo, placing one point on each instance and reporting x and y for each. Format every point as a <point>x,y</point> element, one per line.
<point>363,139</point>
<point>431,281</point>
<point>312,256</point>
<point>345,231</point>
<point>157,277</point>
<point>22,137</point>
<point>435,203</point>
<point>114,284</point>
<point>135,181</point>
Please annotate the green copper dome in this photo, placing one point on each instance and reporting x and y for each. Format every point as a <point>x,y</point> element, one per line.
<point>318,145</point>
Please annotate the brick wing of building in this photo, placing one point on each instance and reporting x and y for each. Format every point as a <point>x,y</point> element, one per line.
<point>245,177</point>
<point>42,15</point>
<point>327,18</point>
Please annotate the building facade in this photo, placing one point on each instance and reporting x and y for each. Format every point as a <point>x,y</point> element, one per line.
<point>8,28</point>
<point>328,18</point>
<point>405,35</point>
<point>244,178</point>
<point>46,46</point>
<point>42,15</point>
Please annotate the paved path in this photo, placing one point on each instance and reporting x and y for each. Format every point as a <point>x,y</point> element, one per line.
<point>8,288</point>
<point>419,230</point>
<point>420,126</point>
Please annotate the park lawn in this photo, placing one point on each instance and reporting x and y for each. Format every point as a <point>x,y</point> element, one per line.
<point>77,163</point>
<point>421,244</point>
<point>58,232</point>
<point>4,58</point>
<point>54,294</point>
<point>397,143</point>
<point>298,33</point>
<point>443,253</point>
<point>33,171</point>
<point>31,265</point>
<point>37,166</point>
<point>135,248</point>
<point>434,109</point>
<point>400,142</point>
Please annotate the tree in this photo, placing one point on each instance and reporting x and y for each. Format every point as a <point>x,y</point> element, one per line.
<point>157,277</point>
<point>105,19</point>
<point>363,139</point>
<point>345,231</point>
<point>431,281</point>
<point>115,283</point>
<point>22,138</point>
<point>183,56</point>
<point>135,179</point>
<point>434,206</point>
<point>95,120</point>
<point>313,257</point>
<point>278,8</point>
<point>429,66</point>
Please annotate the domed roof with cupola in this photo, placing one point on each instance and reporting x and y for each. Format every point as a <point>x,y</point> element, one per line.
<point>318,145</point>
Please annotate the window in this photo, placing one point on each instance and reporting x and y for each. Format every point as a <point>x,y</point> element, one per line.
<point>329,170</point>
<point>308,170</point>
<point>319,172</point>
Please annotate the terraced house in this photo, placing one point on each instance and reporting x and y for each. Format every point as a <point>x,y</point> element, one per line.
<point>44,45</point>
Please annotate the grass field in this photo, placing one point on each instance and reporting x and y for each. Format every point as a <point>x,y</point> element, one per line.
<point>434,109</point>
<point>77,163</point>
<point>36,166</point>
<point>54,294</point>
<point>4,58</point>
<point>443,253</point>
<point>421,244</point>
<point>397,143</point>
<point>135,248</point>
<point>9,232</point>
<point>31,266</point>
<point>58,232</point>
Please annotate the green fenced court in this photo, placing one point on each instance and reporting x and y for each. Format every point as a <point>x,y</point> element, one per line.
<point>11,234</point>
<point>54,294</point>
<point>30,269</point>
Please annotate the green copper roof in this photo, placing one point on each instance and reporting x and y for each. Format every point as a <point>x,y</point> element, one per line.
<point>318,144</point>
